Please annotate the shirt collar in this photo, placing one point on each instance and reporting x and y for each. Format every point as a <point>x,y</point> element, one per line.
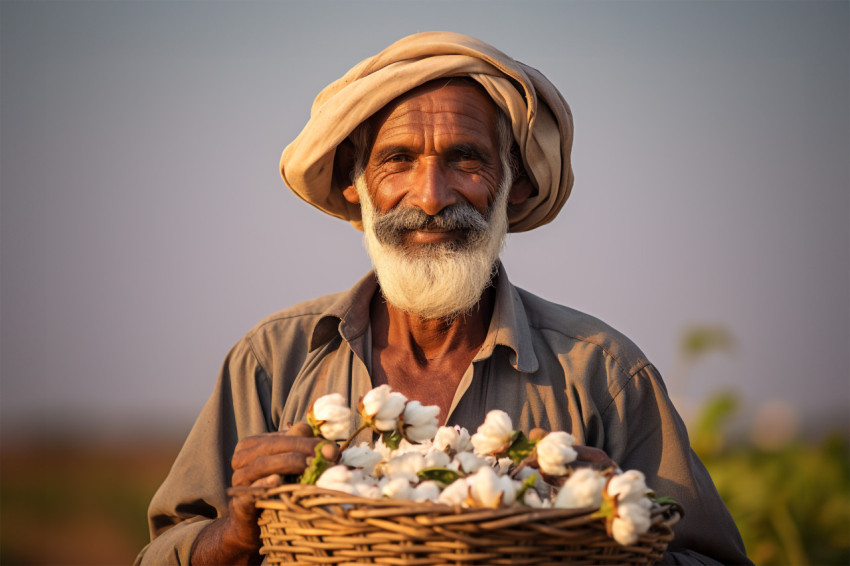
<point>509,327</point>
<point>348,317</point>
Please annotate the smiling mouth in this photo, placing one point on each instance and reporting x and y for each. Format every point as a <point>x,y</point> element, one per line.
<point>433,236</point>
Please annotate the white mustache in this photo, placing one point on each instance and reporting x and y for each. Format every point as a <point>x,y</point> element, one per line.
<point>391,226</point>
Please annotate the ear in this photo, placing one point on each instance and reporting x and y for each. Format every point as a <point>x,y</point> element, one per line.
<point>521,190</point>
<point>350,194</point>
<point>344,170</point>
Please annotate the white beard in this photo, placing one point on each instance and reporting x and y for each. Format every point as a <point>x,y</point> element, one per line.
<point>440,281</point>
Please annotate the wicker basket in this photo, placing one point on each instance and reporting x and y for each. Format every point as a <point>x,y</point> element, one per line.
<point>309,525</point>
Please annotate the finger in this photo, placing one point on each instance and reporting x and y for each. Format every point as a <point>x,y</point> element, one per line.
<point>330,451</point>
<point>273,480</point>
<point>300,429</point>
<point>288,463</point>
<point>537,434</point>
<point>242,506</point>
<point>271,443</point>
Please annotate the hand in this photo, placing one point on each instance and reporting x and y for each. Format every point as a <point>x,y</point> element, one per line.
<point>585,455</point>
<point>257,461</point>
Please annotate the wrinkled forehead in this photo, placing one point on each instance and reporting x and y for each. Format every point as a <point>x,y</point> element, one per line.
<point>459,101</point>
<point>455,108</point>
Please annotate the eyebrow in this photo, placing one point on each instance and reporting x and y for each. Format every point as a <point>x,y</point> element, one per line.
<point>459,148</point>
<point>385,152</point>
<point>470,149</point>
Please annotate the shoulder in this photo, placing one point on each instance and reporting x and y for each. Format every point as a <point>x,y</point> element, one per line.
<point>305,313</point>
<point>292,323</point>
<point>564,327</point>
<point>288,332</point>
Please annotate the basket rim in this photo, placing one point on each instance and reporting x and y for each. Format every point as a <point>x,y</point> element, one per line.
<point>267,498</point>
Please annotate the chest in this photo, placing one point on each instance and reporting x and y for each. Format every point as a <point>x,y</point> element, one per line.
<point>465,393</point>
<point>431,382</point>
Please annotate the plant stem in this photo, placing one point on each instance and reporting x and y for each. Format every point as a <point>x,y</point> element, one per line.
<point>360,429</point>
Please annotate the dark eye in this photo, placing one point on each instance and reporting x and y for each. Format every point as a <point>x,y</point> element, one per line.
<point>398,158</point>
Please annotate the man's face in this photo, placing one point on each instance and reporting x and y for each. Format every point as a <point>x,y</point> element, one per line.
<point>434,201</point>
<point>434,149</point>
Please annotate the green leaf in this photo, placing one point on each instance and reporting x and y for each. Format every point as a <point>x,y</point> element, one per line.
<point>701,340</point>
<point>527,484</point>
<point>391,439</point>
<point>442,476</point>
<point>520,448</point>
<point>665,500</point>
<point>707,435</point>
<point>316,467</point>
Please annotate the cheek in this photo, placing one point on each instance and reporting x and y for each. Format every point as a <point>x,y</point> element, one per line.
<point>480,191</point>
<point>387,191</point>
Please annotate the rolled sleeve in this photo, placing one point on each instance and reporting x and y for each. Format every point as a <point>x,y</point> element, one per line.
<point>195,490</point>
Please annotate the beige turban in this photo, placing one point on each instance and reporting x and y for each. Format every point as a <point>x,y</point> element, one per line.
<point>542,121</point>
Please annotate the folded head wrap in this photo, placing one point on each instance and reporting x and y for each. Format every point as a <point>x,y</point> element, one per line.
<point>541,119</point>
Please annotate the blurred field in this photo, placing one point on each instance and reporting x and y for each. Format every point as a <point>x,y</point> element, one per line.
<point>66,501</point>
<point>790,497</point>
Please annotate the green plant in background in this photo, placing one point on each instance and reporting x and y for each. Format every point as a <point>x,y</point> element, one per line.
<point>791,501</point>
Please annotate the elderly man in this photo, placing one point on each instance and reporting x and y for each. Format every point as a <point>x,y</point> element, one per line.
<point>436,147</point>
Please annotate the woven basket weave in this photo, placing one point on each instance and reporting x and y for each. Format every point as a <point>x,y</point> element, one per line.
<point>309,525</point>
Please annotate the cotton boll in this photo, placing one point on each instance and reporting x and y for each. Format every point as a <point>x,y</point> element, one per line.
<point>468,462</point>
<point>487,489</point>
<point>494,435</point>
<point>631,521</point>
<point>361,476</point>
<point>484,488</point>
<point>381,448</point>
<point>554,452</point>
<point>464,441</point>
<point>368,490</point>
<point>332,416</point>
<point>455,493</point>
<point>420,422</point>
<point>398,488</point>
<point>423,447</point>
<point>405,465</point>
<point>360,457</point>
<point>452,439</point>
<point>437,459</point>
<point>426,491</point>
<point>381,408</point>
<point>628,487</point>
<point>446,439</point>
<point>532,499</point>
<point>334,474</point>
<point>582,489</point>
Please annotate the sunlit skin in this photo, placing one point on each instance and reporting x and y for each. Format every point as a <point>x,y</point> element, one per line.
<point>435,146</point>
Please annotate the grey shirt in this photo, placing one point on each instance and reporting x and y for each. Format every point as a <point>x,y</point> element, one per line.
<point>546,365</point>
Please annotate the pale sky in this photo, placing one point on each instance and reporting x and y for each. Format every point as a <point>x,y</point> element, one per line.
<point>145,227</point>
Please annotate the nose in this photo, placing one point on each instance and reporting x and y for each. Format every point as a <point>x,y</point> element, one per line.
<point>431,189</point>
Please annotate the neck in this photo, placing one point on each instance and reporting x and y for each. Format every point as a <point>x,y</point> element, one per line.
<point>431,339</point>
